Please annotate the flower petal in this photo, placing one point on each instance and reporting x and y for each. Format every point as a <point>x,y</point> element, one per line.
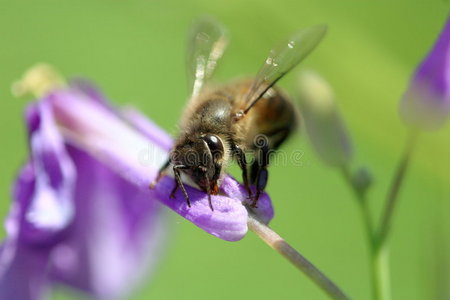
<point>74,220</point>
<point>23,271</point>
<point>436,67</point>
<point>23,262</point>
<point>228,221</point>
<point>117,233</point>
<point>41,210</point>
<point>147,128</point>
<point>50,209</point>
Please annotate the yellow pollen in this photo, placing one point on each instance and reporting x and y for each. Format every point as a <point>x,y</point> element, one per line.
<point>38,81</point>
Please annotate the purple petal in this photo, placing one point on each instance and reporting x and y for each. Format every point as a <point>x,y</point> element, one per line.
<point>426,102</point>
<point>115,237</point>
<point>85,87</point>
<point>50,209</point>
<point>234,189</point>
<point>228,221</point>
<point>23,271</point>
<point>83,253</point>
<point>23,191</point>
<point>435,69</point>
<point>149,129</point>
<point>23,261</point>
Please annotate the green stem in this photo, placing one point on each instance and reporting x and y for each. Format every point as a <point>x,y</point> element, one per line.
<point>376,280</point>
<point>377,263</point>
<point>362,204</point>
<point>379,252</point>
<point>392,196</point>
<point>381,277</point>
<point>275,241</point>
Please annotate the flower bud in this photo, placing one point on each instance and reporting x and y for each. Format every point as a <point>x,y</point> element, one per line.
<point>323,122</point>
<point>362,179</point>
<point>426,102</point>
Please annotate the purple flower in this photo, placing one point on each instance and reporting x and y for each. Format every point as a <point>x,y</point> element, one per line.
<point>83,214</point>
<point>426,103</point>
<point>66,207</point>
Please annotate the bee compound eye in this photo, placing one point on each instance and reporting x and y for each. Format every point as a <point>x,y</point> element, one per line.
<point>214,143</point>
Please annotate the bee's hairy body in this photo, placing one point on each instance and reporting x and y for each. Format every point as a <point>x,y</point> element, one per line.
<point>220,124</point>
<point>213,113</point>
<point>215,109</point>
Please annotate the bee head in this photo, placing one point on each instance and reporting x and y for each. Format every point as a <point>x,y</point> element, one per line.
<point>202,158</point>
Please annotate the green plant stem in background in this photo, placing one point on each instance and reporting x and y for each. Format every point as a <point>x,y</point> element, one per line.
<point>377,239</point>
<point>362,204</point>
<point>375,271</point>
<point>381,276</point>
<point>378,264</point>
<point>392,195</point>
<point>381,247</point>
<point>275,241</point>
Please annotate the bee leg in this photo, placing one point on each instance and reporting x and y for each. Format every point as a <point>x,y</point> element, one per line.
<point>179,183</point>
<point>210,202</point>
<point>175,188</point>
<point>261,183</point>
<point>161,173</point>
<point>259,173</point>
<point>242,162</point>
<point>208,190</point>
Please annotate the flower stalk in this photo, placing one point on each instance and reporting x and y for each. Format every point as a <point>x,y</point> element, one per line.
<point>377,236</point>
<point>360,196</point>
<point>276,242</point>
<point>380,247</point>
<point>391,199</point>
<point>380,272</point>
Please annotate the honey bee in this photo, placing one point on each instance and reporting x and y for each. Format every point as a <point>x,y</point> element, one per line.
<point>222,123</point>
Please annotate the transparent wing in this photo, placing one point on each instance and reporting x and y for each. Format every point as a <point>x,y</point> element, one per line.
<point>206,43</point>
<point>281,60</point>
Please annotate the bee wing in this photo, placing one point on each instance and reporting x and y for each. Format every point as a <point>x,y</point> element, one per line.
<point>206,43</point>
<point>281,60</point>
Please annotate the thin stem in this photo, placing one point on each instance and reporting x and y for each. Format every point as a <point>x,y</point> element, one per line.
<point>380,269</point>
<point>375,272</point>
<point>380,254</point>
<point>377,263</point>
<point>391,199</point>
<point>275,241</point>
<point>362,204</point>
<point>378,248</point>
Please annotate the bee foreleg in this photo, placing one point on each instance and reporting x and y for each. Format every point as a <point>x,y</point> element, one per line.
<point>208,190</point>
<point>175,188</point>
<point>179,183</point>
<point>242,162</point>
<point>259,174</point>
<point>161,173</point>
<point>261,182</point>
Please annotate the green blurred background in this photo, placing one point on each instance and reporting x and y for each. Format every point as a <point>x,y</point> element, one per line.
<point>134,50</point>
